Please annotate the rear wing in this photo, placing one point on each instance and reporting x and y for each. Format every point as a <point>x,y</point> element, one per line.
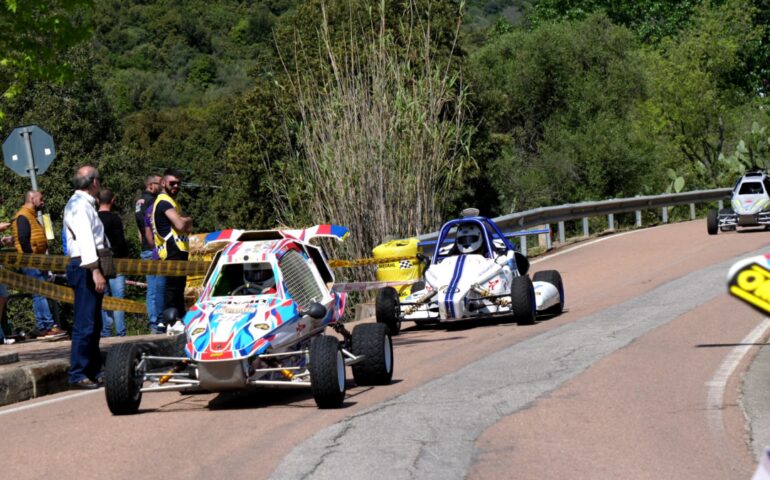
<point>305,234</point>
<point>327,230</point>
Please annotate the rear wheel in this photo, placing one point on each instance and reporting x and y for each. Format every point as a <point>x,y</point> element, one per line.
<point>373,342</point>
<point>712,222</point>
<point>327,372</point>
<point>523,300</point>
<point>387,309</point>
<point>554,278</point>
<point>123,378</point>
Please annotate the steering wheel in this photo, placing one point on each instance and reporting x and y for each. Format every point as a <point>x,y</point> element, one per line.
<point>248,288</point>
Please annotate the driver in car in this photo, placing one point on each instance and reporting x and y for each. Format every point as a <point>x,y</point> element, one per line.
<point>469,239</point>
<point>260,280</point>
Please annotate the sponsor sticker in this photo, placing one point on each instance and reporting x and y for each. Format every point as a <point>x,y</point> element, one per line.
<point>239,309</point>
<point>752,285</point>
<point>262,326</point>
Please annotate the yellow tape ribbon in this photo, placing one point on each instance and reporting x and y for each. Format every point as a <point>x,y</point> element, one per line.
<point>60,293</point>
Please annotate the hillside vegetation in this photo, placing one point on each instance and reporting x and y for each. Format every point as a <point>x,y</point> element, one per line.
<point>389,116</point>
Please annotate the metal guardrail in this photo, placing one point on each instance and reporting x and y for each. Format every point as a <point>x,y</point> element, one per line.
<point>584,210</point>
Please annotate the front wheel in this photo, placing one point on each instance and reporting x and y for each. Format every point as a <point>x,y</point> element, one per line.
<point>387,308</point>
<point>712,222</point>
<point>523,300</point>
<point>123,378</point>
<point>327,372</point>
<point>554,278</point>
<point>372,341</point>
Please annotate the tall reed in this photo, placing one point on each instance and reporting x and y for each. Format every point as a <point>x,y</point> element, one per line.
<point>383,139</point>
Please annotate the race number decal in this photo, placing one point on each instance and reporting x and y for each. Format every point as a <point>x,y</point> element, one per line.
<point>752,285</point>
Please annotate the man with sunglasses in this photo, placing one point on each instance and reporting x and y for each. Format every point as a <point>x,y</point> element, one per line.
<point>170,228</point>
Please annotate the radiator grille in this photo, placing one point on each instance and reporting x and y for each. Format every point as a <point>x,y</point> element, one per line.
<point>300,282</point>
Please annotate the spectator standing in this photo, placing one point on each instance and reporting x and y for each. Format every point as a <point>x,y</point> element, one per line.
<point>170,228</point>
<point>155,283</point>
<point>85,236</point>
<point>116,287</point>
<point>29,237</point>
<point>4,297</point>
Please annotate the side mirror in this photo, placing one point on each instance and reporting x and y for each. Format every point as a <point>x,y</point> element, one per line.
<point>170,316</point>
<point>315,310</point>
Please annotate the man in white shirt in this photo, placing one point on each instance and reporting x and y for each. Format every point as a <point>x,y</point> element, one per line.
<point>85,235</point>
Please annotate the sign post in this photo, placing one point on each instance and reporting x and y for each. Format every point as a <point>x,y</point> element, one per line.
<point>29,151</point>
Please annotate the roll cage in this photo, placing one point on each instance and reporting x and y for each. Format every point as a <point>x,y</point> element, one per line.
<point>491,235</point>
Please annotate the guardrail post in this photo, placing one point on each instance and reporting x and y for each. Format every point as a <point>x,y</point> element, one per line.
<point>548,244</point>
<point>523,245</point>
<point>721,204</point>
<point>665,214</point>
<point>692,211</point>
<point>611,221</point>
<point>585,227</point>
<point>561,232</point>
<point>638,223</point>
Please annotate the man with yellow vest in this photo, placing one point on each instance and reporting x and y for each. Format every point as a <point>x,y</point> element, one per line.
<point>29,237</point>
<point>170,229</point>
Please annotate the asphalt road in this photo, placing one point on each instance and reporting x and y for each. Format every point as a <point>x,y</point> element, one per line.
<point>640,378</point>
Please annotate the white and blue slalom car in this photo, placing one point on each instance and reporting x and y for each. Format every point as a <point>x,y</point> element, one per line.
<point>475,272</point>
<point>750,205</point>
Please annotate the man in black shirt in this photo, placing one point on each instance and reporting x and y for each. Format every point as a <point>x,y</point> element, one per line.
<point>156,284</point>
<point>170,228</point>
<point>113,229</point>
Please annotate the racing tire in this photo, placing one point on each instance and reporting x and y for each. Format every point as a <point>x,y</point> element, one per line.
<point>373,342</point>
<point>122,379</point>
<point>554,278</point>
<point>387,309</point>
<point>523,300</point>
<point>327,372</point>
<point>712,222</point>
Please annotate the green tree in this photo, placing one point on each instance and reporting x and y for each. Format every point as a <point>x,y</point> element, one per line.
<point>559,103</point>
<point>652,20</point>
<point>34,36</point>
<point>694,103</point>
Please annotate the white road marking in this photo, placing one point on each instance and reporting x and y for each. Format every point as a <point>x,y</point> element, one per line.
<point>49,402</point>
<point>717,384</point>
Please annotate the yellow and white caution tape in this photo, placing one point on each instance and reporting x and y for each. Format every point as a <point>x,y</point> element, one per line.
<point>16,281</point>
<point>126,266</point>
<point>361,262</point>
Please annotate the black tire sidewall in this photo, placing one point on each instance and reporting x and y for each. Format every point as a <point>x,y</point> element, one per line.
<point>324,352</point>
<point>370,340</point>
<point>522,296</point>
<point>387,309</point>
